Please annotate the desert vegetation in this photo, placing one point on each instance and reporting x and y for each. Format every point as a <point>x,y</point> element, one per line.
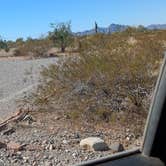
<point>61,35</point>
<point>3,45</point>
<point>111,81</point>
<point>33,47</point>
<point>102,91</point>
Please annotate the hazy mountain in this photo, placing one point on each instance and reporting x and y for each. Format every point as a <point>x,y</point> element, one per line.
<point>117,28</point>
<point>110,29</point>
<point>156,26</point>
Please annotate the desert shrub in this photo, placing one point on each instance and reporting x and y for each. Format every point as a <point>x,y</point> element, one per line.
<point>109,76</point>
<point>4,45</point>
<point>33,47</point>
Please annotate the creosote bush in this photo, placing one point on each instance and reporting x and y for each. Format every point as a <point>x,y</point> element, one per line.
<point>110,80</point>
<point>33,47</point>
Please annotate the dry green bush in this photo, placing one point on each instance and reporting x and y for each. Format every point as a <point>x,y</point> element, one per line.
<point>110,76</point>
<point>33,47</point>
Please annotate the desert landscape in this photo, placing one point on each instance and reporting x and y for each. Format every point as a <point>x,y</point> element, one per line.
<point>81,100</point>
<point>82,83</point>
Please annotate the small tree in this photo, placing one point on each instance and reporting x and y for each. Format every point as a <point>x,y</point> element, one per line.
<point>61,34</point>
<point>141,28</point>
<point>19,41</point>
<point>3,45</point>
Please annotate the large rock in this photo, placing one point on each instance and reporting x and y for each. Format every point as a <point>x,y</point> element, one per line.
<point>94,143</point>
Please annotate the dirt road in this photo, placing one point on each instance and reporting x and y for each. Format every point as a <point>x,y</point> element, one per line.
<point>17,78</point>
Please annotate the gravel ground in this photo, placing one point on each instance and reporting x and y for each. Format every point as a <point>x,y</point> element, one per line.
<point>16,78</point>
<point>50,141</point>
<point>46,138</point>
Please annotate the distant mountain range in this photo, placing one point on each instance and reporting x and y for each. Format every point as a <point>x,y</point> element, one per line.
<point>156,26</point>
<point>117,28</point>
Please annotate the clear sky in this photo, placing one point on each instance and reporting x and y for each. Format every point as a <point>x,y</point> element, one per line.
<point>23,18</point>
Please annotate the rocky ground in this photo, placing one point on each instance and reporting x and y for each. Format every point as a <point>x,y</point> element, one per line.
<point>45,139</point>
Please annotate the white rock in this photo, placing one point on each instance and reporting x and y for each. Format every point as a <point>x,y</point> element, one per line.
<point>67,151</point>
<point>94,143</point>
<point>51,147</point>
<point>25,159</point>
<point>74,155</point>
<point>128,138</point>
<point>64,141</point>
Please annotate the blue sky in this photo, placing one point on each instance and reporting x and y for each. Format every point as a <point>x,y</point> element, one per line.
<point>23,18</point>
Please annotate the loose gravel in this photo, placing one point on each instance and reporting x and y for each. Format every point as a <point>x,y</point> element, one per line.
<point>47,141</point>
<point>17,77</point>
<point>47,138</point>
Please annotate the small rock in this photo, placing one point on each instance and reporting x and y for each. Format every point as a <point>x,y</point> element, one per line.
<point>76,135</point>
<point>74,155</point>
<point>137,143</point>
<point>51,147</point>
<point>2,163</point>
<point>35,131</point>
<point>51,157</point>
<point>47,163</point>
<point>128,138</point>
<point>9,131</point>
<point>64,141</point>
<point>25,159</point>
<point>67,151</point>
<point>86,158</point>
<point>94,143</point>
<point>51,141</point>
<point>65,132</point>
<point>128,130</point>
<point>45,142</point>
<point>47,147</point>
<point>29,118</point>
<point>32,147</point>
<point>14,146</point>
<point>34,163</point>
<point>3,145</point>
<point>45,157</point>
<point>57,118</point>
<point>18,153</point>
<point>117,147</point>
